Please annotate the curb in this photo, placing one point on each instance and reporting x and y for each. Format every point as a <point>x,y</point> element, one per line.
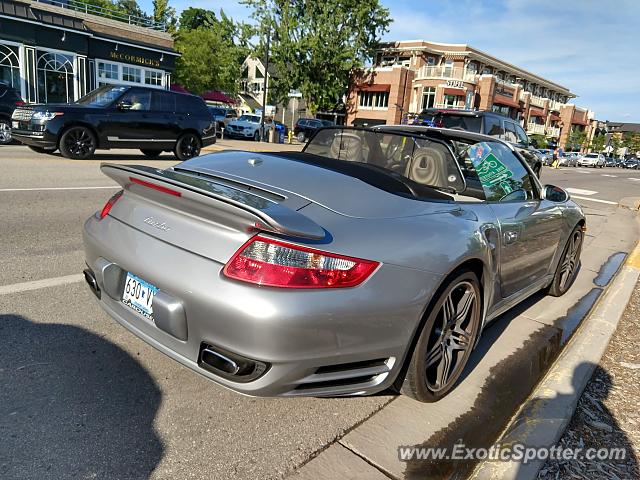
<point>544,416</point>
<point>632,203</point>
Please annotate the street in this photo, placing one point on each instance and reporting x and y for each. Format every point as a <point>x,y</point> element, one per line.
<point>89,400</point>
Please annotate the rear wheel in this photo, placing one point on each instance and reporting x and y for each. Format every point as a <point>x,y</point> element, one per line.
<point>187,146</point>
<point>150,152</point>
<point>301,137</point>
<point>446,340</point>
<point>256,136</point>
<point>569,264</point>
<point>42,149</point>
<point>5,132</point>
<point>78,143</point>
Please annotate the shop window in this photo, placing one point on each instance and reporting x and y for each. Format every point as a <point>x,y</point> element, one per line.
<point>428,97</point>
<point>108,71</point>
<point>55,78</point>
<point>9,66</point>
<point>152,77</point>
<point>131,74</point>
<point>452,101</point>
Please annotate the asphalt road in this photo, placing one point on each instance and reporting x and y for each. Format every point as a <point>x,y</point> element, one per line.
<point>80,397</point>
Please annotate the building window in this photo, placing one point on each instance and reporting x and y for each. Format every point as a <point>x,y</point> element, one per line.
<point>108,71</point>
<point>9,66</point>
<point>431,61</point>
<point>487,70</point>
<point>452,101</point>
<point>131,74</point>
<point>374,99</point>
<point>448,68</point>
<point>472,68</point>
<point>428,97</point>
<point>55,78</point>
<point>152,77</point>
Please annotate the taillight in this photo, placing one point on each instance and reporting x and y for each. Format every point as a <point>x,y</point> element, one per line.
<point>109,205</point>
<point>19,103</point>
<point>154,186</point>
<point>273,263</point>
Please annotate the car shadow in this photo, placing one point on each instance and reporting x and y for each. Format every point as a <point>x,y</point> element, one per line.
<point>73,405</point>
<point>112,157</point>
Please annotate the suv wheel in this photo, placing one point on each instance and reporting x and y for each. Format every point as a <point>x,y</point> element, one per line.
<point>256,136</point>
<point>78,143</point>
<point>5,132</point>
<point>187,146</point>
<point>301,137</point>
<point>151,153</point>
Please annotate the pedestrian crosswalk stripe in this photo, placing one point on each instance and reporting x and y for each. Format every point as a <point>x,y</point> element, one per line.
<point>580,191</point>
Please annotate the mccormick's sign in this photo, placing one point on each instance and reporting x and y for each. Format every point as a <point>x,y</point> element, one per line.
<point>127,57</point>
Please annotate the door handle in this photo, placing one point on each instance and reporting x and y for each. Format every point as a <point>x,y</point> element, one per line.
<point>510,237</point>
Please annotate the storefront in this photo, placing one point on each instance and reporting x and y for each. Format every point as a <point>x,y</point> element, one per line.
<point>50,54</point>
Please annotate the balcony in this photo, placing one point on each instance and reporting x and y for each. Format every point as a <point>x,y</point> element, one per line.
<point>537,101</point>
<point>455,73</point>
<point>534,128</point>
<point>553,132</point>
<point>450,107</point>
<point>107,12</point>
<point>555,105</point>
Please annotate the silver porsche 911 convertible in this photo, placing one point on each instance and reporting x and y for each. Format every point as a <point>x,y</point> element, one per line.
<point>371,260</point>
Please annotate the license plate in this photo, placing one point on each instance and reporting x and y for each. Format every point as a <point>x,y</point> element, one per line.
<point>138,295</point>
<point>14,124</point>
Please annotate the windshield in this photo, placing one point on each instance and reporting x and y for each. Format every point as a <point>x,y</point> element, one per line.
<point>218,112</point>
<point>102,96</point>
<point>416,161</point>
<point>591,155</point>
<point>249,118</point>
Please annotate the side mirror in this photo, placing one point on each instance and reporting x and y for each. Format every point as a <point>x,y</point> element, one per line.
<point>124,105</point>
<point>554,194</point>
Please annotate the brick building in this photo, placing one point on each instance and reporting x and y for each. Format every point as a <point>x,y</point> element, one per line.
<point>409,76</point>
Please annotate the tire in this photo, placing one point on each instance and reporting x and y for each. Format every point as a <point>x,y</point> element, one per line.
<point>78,143</point>
<point>42,149</point>
<point>151,153</point>
<point>301,137</point>
<point>256,136</point>
<point>459,301</point>
<point>187,146</point>
<point>568,266</point>
<point>5,132</point>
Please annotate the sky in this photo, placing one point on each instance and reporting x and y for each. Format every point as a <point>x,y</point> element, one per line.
<point>588,46</point>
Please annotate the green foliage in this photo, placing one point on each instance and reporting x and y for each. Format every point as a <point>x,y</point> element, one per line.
<point>540,141</point>
<point>597,143</point>
<point>577,139</point>
<point>131,7</point>
<point>315,46</point>
<point>193,18</point>
<point>632,142</point>
<point>163,13</point>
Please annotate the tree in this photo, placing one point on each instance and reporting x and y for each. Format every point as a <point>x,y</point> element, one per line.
<point>597,143</point>
<point>163,13</point>
<point>315,46</point>
<point>193,18</point>
<point>577,138</point>
<point>539,140</point>
<point>130,7</point>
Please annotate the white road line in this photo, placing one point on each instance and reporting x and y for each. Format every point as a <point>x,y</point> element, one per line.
<point>607,175</point>
<point>594,200</point>
<point>634,179</point>
<point>45,189</point>
<point>38,284</point>
<point>580,191</point>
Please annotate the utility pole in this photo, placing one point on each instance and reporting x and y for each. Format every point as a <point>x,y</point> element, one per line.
<point>266,84</point>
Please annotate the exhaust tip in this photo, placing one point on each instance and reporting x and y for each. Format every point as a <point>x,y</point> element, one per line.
<point>90,278</point>
<point>230,365</point>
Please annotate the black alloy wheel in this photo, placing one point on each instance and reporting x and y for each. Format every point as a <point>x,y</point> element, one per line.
<point>78,143</point>
<point>446,341</point>
<point>569,264</point>
<point>187,146</point>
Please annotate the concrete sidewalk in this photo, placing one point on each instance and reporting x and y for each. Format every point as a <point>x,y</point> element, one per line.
<point>251,146</point>
<point>513,355</point>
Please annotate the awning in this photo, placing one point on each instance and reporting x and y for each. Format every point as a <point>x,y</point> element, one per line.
<point>576,121</point>
<point>379,87</point>
<point>215,96</point>
<point>455,91</point>
<point>534,112</point>
<point>508,101</point>
<point>176,87</point>
<point>555,118</point>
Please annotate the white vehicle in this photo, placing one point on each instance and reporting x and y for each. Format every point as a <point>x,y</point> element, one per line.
<point>591,160</point>
<point>247,126</point>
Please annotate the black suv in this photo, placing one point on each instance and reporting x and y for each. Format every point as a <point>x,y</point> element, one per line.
<point>115,116</point>
<point>9,100</point>
<point>488,123</point>
<point>306,127</point>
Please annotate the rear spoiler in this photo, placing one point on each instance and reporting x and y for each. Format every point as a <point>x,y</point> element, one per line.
<point>271,215</point>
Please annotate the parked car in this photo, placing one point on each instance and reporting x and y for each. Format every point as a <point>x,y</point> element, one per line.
<point>222,115</point>
<point>393,251</point>
<point>632,163</point>
<point>306,127</point>
<point>610,162</point>
<point>546,155</point>
<point>488,123</point>
<point>9,100</point>
<point>247,127</point>
<point>595,160</point>
<point>111,116</point>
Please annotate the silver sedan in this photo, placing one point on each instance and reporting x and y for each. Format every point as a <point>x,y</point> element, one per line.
<point>370,261</point>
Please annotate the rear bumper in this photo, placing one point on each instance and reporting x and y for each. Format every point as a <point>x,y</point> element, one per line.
<point>310,340</point>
